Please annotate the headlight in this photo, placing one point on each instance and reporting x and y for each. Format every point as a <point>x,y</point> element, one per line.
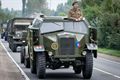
<point>84,53</point>
<point>54,46</point>
<point>23,41</point>
<point>18,34</point>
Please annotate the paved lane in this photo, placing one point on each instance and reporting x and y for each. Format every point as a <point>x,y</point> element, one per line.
<point>8,70</point>
<point>103,70</point>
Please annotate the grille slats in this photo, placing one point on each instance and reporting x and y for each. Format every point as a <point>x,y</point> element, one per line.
<point>67,46</point>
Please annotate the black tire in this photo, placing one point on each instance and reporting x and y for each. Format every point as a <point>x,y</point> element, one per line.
<point>41,65</point>
<point>22,55</point>
<point>88,66</point>
<point>2,36</point>
<point>33,66</point>
<point>27,63</point>
<point>14,48</point>
<point>5,38</point>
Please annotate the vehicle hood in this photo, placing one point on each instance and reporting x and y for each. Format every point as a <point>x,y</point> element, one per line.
<point>54,36</point>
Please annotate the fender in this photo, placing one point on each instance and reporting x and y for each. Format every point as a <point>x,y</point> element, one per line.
<point>92,46</point>
<point>39,49</point>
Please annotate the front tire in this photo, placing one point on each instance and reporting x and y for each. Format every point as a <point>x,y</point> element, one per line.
<point>33,66</point>
<point>22,55</point>
<point>27,63</point>
<point>88,66</point>
<point>41,65</point>
<point>14,48</point>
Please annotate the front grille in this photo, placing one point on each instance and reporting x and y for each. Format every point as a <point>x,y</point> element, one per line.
<point>66,46</point>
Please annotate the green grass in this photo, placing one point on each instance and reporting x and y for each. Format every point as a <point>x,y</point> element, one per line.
<point>109,52</point>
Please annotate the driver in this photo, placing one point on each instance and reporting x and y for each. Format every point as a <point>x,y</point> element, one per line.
<point>75,12</point>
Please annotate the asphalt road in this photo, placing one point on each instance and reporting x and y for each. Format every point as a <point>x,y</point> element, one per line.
<point>103,69</point>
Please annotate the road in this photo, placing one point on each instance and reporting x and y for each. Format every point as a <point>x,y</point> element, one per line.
<point>8,70</point>
<point>103,69</point>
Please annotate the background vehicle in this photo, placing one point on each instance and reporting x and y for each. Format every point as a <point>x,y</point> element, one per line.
<point>60,42</point>
<point>17,28</point>
<point>3,28</point>
<point>24,49</point>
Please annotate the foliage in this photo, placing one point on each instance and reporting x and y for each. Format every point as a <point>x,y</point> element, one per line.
<point>112,52</point>
<point>38,6</point>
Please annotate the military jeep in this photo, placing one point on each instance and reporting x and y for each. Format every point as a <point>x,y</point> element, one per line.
<point>17,29</point>
<point>56,42</point>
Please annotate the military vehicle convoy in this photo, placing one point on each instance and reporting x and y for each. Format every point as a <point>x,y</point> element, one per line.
<point>56,42</point>
<point>16,30</point>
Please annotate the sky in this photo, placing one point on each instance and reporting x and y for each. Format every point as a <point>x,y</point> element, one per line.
<point>52,4</point>
<point>17,4</point>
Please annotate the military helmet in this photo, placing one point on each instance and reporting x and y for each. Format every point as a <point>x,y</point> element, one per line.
<point>74,2</point>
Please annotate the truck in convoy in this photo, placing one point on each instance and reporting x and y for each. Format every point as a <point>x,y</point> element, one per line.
<point>57,42</point>
<point>17,31</point>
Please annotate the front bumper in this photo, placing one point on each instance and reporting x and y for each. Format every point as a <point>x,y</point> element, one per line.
<point>18,43</point>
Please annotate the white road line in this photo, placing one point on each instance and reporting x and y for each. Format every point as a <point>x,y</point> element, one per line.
<point>22,72</point>
<point>110,60</point>
<point>107,73</point>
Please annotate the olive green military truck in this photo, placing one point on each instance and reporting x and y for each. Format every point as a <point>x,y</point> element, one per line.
<point>56,42</point>
<point>17,29</point>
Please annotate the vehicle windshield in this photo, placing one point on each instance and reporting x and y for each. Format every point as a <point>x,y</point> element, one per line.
<point>20,27</point>
<point>68,26</point>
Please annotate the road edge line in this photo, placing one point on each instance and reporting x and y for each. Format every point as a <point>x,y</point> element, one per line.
<point>22,72</point>
<point>110,60</point>
<point>107,73</point>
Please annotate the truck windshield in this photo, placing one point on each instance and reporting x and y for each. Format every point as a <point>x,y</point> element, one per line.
<point>51,27</point>
<point>68,26</point>
<point>20,27</point>
<point>76,27</point>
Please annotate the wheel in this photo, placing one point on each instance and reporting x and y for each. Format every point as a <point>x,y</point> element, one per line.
<point>5,38</point>
<point>88,66</point>
<point>41,65</point>
<point>2,36</point>
<point>14,48</point>
<point>27,63</point>
<point>22,55</point>
<point>33,66</point>
<point>77,70</point>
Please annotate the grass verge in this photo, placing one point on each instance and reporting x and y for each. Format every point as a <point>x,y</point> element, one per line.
<point>111,52</point>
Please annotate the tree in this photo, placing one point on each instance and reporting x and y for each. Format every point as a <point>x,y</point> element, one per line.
<point>36,6</point>
<point>110,26</point>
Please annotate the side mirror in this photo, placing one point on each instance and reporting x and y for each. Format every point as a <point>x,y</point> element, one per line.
<point>93,35</point>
